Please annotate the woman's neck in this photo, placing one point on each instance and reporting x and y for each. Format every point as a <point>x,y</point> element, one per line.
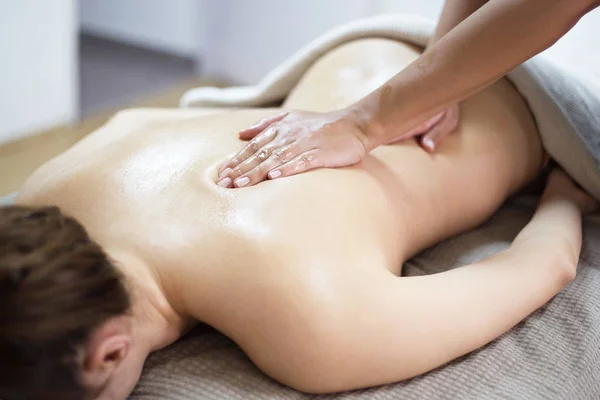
<point>156,321</point>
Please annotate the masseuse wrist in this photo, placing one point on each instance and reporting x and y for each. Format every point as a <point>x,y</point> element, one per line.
<point>368,124</point>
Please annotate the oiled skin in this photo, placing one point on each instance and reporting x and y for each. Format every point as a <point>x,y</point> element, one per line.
<point>275,266</point>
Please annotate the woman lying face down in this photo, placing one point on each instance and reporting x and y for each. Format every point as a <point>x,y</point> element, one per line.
<point>120,245</point>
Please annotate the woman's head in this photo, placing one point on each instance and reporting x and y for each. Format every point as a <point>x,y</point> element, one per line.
<point>58,293</point>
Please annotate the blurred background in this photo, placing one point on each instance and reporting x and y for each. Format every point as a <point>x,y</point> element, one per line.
<point>67,65</point>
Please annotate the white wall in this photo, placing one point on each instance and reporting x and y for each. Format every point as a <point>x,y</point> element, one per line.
<point>425,8</point>
<point>580,48</point>
<point>254,36</point>
<point>38,79</point>
<point>248,38</point>
<point>165,25</point>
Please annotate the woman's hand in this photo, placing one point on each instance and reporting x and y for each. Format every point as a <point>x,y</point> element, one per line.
<point>294,142</point>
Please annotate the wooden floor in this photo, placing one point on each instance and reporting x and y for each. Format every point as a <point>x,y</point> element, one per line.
<point>21,158</point>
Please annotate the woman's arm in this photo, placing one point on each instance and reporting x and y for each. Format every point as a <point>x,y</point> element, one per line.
<point>398,328</point>
<point>489,43</point>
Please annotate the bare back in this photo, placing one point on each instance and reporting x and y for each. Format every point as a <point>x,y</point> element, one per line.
<point>145,181</point>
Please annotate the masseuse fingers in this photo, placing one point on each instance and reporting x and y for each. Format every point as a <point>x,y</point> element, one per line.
<point>253,161</point>
<point>423,127</point>
<point>301,163</point>
<point>260,171</point>
<point>249,133</point>
<point>251,148</point>
<point>448,124</point>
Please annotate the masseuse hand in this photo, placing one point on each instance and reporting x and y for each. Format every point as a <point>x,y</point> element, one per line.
<point>433,130</point>
<point>294,142</point>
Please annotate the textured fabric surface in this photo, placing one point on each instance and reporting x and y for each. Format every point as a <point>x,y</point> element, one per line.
<point>564,105</point>
<point>553,354</point>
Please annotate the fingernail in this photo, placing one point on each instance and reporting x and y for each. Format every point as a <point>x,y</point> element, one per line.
<point>225,183</point>
<point>225,172</point>
<point>241,182</point>
<point>429,144</point>
<point>274,174</point>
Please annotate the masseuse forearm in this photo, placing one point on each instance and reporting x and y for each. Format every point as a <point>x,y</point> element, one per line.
<point>496,38</point>
<point>453,13</point>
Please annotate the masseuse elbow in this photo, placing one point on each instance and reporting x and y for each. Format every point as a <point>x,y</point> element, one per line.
<point>578,9</point>
<point>589,5</point>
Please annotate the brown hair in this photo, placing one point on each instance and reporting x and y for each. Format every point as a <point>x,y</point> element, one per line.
<point>56,287</point>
